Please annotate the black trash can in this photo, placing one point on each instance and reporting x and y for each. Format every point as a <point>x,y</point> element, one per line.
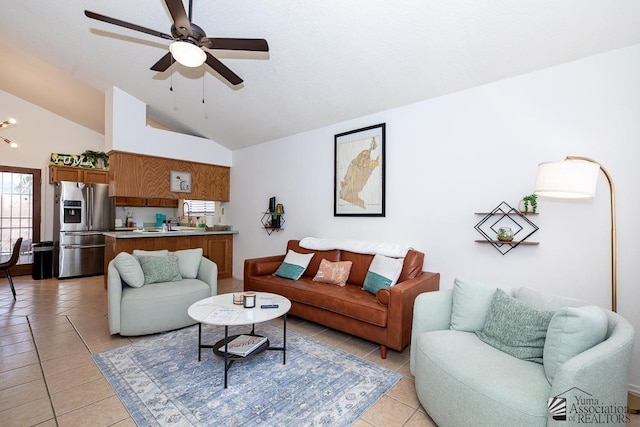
<point>42,260</point>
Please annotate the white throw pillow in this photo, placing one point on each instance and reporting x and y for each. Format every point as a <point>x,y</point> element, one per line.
<point>383,273</point>
<point>189,262</point>
<point>129,269</point>
<point>294,265</point>
<point>572,330</point>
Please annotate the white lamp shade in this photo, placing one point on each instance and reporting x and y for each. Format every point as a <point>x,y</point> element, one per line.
<point>187,54</point>
<point>568,179</point>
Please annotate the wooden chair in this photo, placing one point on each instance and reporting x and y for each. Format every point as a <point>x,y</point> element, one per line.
<point>15,255</point>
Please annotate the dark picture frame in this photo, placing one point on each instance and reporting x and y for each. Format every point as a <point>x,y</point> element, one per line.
<point>359,172</point>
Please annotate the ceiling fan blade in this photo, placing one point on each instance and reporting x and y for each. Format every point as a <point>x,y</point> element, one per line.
<point>257,45</point>
<point>124,24</point>
<point>163,63</point>
<point>179,16</point>
<point>222,69</point>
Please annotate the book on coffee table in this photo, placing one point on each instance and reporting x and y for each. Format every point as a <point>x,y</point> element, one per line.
<point>242,345</point>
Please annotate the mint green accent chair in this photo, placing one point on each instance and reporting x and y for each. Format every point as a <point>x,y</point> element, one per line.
<point>462,381</point>
<point>157,307</point>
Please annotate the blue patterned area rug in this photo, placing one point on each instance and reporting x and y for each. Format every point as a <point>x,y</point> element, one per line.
<point>161,382</point>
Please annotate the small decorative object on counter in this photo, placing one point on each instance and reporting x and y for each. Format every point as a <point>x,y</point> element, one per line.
<point>249,299</point>
<point>505,234</point>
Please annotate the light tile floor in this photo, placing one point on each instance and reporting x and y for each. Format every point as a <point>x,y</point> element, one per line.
<point>48,378</point>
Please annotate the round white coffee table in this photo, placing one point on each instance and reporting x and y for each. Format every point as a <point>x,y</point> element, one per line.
<point>221,311</point>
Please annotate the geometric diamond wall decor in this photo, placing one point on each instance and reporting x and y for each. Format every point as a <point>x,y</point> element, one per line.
<point>506,216</point>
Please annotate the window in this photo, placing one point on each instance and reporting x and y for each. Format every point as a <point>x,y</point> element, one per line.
<point>199,207</point>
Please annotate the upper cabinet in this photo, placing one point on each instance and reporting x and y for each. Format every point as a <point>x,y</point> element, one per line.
<point>137,175</point>
<point>65,173</point>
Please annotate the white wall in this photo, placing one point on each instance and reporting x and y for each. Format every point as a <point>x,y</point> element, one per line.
<point>455,155</point>
<point>127,130</point>
<point>40,133</point>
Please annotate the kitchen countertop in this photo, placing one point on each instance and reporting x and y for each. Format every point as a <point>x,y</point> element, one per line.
<point>132,234</point>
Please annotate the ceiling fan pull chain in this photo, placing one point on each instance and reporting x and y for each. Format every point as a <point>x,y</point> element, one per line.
<point>203,85</point>
<point>171,75</point>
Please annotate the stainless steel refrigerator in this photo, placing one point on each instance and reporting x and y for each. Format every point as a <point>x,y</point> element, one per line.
<point>82,212</point>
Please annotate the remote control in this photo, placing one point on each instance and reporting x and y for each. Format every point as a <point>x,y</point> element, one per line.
<point>269,306</point>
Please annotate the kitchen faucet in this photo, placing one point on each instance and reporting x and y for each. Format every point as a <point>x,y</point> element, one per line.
<point>188,213</point>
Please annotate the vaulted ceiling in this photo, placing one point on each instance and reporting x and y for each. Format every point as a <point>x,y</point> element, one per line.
<point>328,61</point>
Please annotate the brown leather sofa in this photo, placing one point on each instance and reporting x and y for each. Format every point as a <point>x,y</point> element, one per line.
<point>384,318</point>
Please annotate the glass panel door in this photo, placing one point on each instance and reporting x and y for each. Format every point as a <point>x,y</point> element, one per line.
<point>19,213</point>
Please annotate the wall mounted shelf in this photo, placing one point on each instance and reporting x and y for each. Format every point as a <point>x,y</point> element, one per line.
<point>505,216</point>
<point>267,221</point>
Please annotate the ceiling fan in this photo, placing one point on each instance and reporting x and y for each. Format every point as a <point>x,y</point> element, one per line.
<point>190,41</point>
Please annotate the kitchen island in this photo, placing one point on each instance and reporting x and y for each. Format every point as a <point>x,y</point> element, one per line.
<point>216,245</point>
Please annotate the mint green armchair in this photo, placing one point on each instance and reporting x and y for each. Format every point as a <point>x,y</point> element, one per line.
<point>461,381</point>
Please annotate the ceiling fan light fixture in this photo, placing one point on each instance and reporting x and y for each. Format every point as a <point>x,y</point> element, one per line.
<point>187,54</point>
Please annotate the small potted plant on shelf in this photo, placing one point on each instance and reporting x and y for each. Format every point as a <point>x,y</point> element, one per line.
<point>529,204</point>
<point>99,159</point>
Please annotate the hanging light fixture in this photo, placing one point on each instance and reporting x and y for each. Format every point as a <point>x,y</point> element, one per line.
<point>188,54</point>
<point>4,124</point>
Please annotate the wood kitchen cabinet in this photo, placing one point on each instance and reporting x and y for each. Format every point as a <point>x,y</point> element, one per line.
<point>66,173</point>
<point>142,176</point>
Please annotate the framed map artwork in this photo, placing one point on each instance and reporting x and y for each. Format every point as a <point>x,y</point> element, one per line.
<point>359,172</point>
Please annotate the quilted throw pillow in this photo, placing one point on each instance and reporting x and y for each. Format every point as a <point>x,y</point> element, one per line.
<point>516,328</point>
<point>383,273</point>
<point>334,273</point>
<point>160,268</point>
<point>294,265</point>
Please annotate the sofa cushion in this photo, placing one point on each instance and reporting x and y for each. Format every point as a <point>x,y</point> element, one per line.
<point>383,273</point>
<point>412,267</point>
<point>294,265</point>
<point>129,269</point>
<point>334,273</point>
<point>471,302</point>
<point>318,256</point>
<point>359,266</point>
<point>160,307</point>
<point>189,262</point>
<point>544,301</point>
<point>140,252</point>
<point>572,330</point>
<point>457,370</point>
<point>350,301</point>
<point>160,268</point>
<point>515,327</point>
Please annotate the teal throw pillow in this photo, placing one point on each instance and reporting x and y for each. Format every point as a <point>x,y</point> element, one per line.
<point>160,268</point>
<point>294,265</point>
<point>515,328</point>
<point>572,330</point>
<point>383,273</point>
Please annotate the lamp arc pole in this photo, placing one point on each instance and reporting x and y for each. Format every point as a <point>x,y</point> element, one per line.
<point>614,275</point>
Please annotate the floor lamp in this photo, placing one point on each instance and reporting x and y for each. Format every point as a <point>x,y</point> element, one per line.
<point>576,178</point>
